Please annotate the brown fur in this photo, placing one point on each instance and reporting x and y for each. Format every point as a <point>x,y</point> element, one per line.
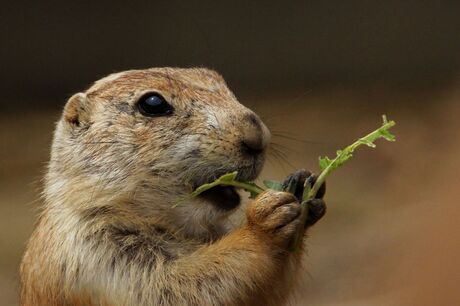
<point>108,234</point>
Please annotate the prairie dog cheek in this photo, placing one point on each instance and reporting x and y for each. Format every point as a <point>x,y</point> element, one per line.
<point>185,146</point>
<point>211,120</point>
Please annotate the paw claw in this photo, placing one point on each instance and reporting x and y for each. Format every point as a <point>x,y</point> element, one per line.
<point>316,210</point>
<point>294,183</point>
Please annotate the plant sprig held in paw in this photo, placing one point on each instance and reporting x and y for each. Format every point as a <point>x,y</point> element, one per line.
<point>326,165</point>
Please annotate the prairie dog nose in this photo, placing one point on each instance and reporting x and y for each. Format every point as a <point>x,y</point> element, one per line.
<point>255,135</point>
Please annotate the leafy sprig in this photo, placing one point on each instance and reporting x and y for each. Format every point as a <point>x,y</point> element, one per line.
<point>326,165</point>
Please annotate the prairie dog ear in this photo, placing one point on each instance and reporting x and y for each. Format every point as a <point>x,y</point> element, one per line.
<point>76,110</point>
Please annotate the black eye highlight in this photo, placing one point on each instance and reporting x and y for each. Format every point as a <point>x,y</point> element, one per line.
<point>154,105</point>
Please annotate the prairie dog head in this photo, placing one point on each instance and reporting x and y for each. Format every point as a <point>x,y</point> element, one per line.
<point>141,140</point>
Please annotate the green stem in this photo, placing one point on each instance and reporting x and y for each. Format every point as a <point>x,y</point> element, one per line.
<point>318,183</point>
<point>248,187</point>
<point>322,177</point>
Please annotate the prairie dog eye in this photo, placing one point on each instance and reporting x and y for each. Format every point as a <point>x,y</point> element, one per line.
<point>154,105</point>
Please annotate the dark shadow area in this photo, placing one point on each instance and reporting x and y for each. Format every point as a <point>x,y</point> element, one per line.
<point>53,49</point>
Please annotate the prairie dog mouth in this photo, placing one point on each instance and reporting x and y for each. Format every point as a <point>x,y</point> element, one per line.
<point>225,197</point>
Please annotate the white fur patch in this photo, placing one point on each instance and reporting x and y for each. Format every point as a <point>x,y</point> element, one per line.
<point>185,145</point>
<point>211,119</point>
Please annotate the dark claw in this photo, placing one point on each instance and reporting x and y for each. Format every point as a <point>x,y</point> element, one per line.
<point>294,183</point>
<point>316,210</point>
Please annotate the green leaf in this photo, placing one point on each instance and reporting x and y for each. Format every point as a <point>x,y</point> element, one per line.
<point>324,162</point>
<point>367,142</point>
<point>272,184</point>
<point>228,177</point>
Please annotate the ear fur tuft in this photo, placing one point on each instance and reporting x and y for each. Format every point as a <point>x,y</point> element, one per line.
<point>75,110</point>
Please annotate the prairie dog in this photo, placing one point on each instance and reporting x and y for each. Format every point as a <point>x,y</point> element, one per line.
<point>124,152</point>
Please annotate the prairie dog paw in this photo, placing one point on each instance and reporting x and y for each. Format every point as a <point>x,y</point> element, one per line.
<point>275,212</point>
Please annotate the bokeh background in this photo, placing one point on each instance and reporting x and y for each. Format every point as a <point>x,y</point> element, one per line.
<point>320,73</point>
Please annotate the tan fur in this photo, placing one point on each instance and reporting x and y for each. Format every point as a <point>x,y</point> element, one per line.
<point>108,234</point>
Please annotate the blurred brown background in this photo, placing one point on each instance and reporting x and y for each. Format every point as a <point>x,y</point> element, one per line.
<point>320,73</point>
